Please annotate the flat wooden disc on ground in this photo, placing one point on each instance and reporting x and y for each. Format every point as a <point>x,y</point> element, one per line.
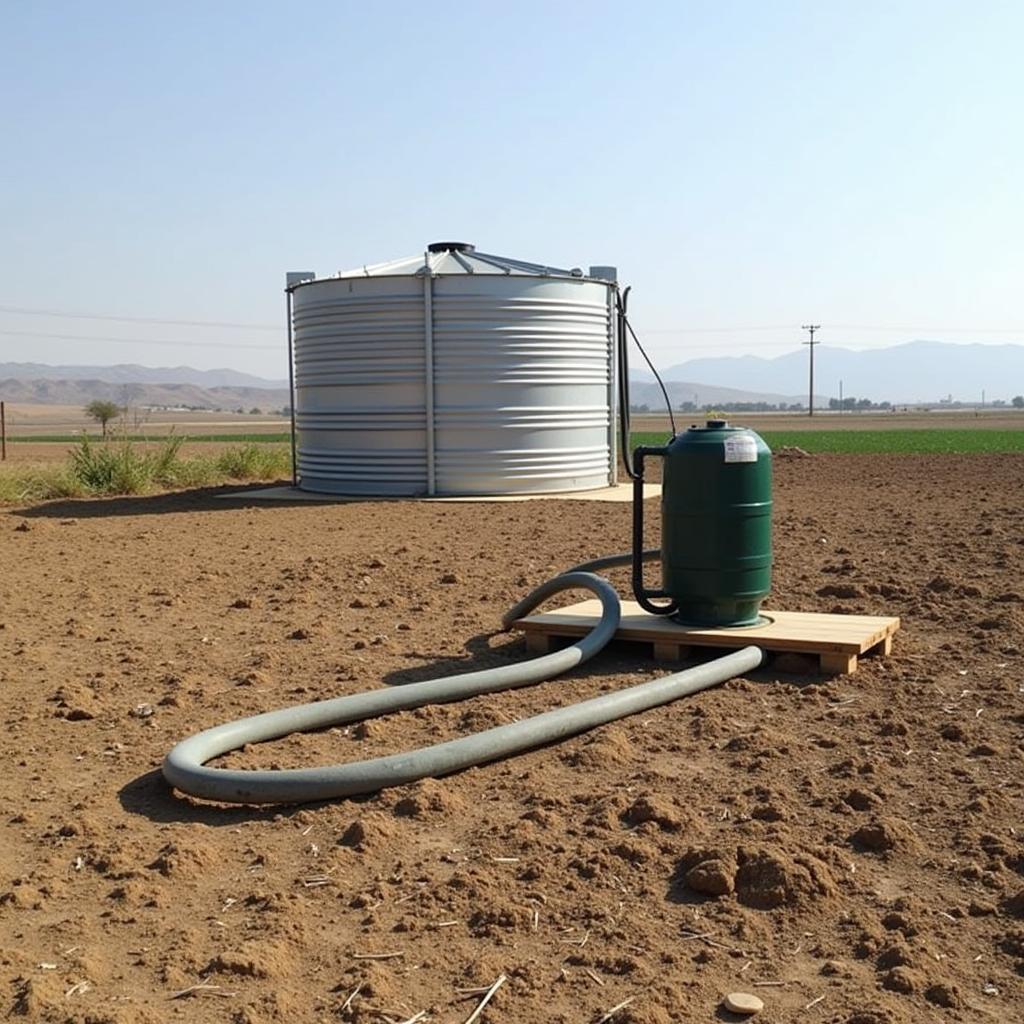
<point>743,1002</point>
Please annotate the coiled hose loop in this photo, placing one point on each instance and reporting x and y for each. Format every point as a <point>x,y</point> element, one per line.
<point>185,766</point>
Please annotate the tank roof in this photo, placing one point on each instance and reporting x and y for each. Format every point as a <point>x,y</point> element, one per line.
<point>458,258</point>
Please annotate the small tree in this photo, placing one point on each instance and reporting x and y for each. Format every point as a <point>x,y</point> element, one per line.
<point>103,412</point>
<point>1018,401</point>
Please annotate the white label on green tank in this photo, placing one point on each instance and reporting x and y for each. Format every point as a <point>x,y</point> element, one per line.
<point>740,449</point>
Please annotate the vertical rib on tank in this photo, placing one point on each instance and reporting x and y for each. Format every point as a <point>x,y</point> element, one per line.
<point>516,397</point>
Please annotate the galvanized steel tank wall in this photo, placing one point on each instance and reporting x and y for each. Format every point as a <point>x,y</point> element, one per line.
<point>454,383</point>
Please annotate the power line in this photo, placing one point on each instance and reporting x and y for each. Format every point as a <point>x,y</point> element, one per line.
<point>20,311</point>
<point>891,328</point>
<point>715,330</point>
<point>927,327</point>
<point>232,345</point>
<point>707,346</point>
<point>140,341</point>
<point>739,328</point>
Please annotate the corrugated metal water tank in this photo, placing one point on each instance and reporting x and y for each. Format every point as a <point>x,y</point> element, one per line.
<point>455,373</point>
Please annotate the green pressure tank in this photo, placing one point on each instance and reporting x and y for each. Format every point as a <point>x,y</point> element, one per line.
<point>716,538</point>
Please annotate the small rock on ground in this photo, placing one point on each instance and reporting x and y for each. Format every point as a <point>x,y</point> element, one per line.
<point>742,1002</point>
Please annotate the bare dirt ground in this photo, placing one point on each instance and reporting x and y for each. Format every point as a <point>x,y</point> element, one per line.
<point>851,850</point>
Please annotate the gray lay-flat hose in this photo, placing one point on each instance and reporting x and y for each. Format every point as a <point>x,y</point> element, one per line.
<point>184,767</point>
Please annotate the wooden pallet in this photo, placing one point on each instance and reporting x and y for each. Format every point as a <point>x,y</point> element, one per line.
<point>837,640</point>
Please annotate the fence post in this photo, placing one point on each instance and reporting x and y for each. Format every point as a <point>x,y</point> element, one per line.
<point>3,433</point>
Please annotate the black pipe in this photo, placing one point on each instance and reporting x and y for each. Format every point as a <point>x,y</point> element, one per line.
<point>640,592</point>
<point>621,301</point>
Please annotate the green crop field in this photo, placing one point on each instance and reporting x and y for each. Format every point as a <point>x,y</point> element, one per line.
<point>890,442</point>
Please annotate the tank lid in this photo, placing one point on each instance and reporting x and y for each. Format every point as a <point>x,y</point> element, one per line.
<point>451,247</point>
<point>717,424</point>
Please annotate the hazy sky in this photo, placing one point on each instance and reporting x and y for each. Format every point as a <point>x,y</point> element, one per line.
<point>745,164</point>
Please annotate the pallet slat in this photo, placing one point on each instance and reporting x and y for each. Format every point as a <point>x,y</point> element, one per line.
<point>836,639</point>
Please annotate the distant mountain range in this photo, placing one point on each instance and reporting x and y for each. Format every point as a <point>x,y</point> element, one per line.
<point>126,385</point>
<point>129,383</point>
<point>131,373</point>
<point>646,392</point>
<point>81,392</point>
<point>919,371</point>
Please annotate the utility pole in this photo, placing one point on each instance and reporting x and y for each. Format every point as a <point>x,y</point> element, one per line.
<point>840,397</point>
<point>810,395</point>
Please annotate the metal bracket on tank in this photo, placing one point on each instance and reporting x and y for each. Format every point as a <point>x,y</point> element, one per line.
<point>292,279</point>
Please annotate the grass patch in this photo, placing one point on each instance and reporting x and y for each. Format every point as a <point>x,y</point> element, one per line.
<point>253,462</point>
<point>882,442</point>
<point>26,485</point>
<point>119,467</point>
